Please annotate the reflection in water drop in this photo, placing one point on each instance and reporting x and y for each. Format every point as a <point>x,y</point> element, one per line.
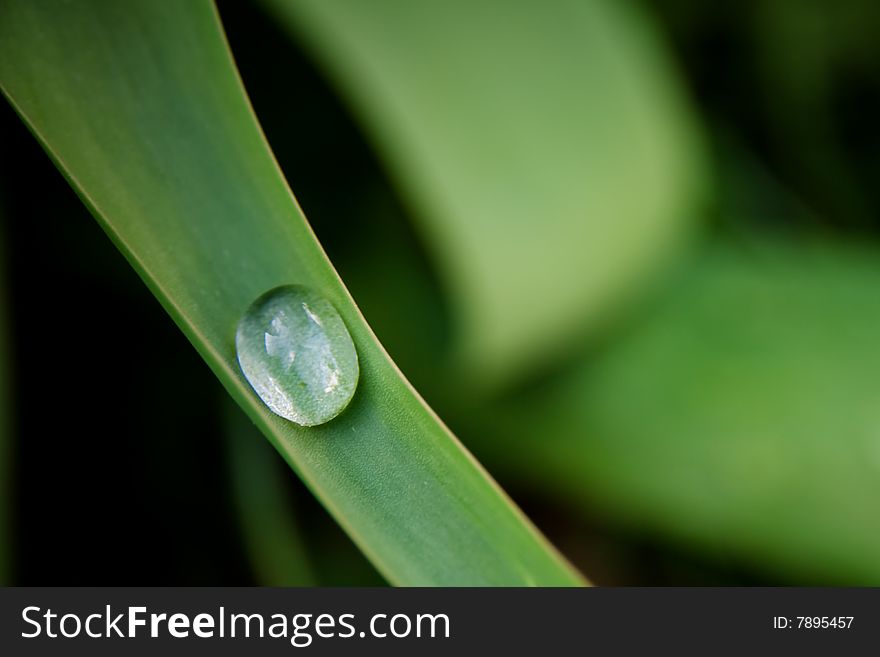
<point>296,353</point>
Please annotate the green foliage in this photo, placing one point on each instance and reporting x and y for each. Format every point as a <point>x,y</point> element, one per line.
<point>140,106</point>
<point>268,520</point>
<point>708,389</point>
<point>740,414</point>
<point>553,165</point>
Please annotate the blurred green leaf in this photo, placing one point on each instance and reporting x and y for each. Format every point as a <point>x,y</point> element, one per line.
<point>140,106</point>
<point>278,555</point>
<point>742,414</point>
<point>546,147</point>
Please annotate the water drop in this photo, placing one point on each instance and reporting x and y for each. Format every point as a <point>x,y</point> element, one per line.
<point>296,353</point>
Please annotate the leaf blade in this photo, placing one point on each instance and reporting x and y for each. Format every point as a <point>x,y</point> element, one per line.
<point>141,108</point>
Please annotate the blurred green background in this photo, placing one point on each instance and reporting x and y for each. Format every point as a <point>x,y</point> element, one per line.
<point>662,343</point>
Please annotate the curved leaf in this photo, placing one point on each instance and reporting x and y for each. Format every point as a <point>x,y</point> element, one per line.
<point>140,105</point>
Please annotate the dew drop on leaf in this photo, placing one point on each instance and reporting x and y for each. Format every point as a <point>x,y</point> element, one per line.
<point>297,354</point>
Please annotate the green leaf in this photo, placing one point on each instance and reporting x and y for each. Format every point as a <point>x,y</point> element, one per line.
<point>274,543</point>
<point>546,148</point>
<point>140,105</point>
<point>741,414</point>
